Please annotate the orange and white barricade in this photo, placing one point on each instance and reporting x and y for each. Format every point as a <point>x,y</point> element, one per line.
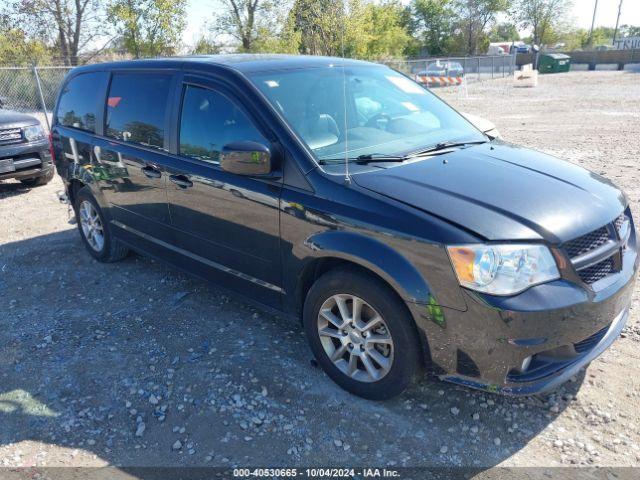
<point>429,80</point>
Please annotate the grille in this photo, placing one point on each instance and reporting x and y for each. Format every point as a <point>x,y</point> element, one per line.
<point>10,135</point>
<point>591,241</point>
<point>587,242</point>
<point>619,221</point>
<point>597,272</point>
<point>590,342</point>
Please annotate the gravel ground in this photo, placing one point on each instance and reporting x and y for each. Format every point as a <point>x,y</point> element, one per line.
<point>135,364</point>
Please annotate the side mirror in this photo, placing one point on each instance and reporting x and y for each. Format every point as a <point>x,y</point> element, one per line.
<point>246,158</point>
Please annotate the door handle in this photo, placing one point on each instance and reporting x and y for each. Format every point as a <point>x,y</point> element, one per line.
<point>151,172</point>
<point>181,181</point>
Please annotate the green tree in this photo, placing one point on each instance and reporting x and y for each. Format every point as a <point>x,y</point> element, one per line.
<point>250,22</point>
<point>205,46</point>
<point>602,36</point>
<point>148,28</point>
<point>474,17</point>
<point>69,25</point>
<point>318,25</point>
<point>629,31</point>
<point>504,32</point>
<point>573,39</point>
<point>362,30</point>
<point>578,38</point>
<point>544,17</point>
<point>431,22</point>
<point>16,49</point>
<point>286,41</point>
<point>376,31</point>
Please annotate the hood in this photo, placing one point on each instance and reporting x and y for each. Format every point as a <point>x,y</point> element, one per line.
<point>502,192</point>
<point>9,119</point>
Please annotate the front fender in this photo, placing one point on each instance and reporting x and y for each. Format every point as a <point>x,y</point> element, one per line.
<point>375,256</point>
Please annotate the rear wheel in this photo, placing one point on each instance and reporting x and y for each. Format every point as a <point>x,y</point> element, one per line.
<point>361,334</point>
<point>95,231</point>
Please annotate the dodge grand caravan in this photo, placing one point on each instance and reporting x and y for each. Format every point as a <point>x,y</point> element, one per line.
<point>346,194</point>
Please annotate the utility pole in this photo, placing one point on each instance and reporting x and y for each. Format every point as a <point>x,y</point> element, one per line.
<point>593,22</point>
<point>615,32</point>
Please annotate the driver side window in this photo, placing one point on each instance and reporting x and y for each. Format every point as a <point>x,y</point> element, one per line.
<point>209,121</point>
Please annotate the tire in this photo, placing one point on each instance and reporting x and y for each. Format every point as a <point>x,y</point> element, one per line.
<point>38,181</point>
<point>401,356</point>
<point>109,249</point>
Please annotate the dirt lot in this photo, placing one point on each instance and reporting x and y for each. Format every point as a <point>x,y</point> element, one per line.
<point>135,364</point>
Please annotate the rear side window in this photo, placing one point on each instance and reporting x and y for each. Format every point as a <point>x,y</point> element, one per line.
<point>78,104</point>
<point>137,106</point>
<point>209,121</point>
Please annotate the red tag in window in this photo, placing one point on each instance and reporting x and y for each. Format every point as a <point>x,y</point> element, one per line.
<point>113,101</point>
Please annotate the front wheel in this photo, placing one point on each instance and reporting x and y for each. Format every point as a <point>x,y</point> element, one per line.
<point>361,334</point>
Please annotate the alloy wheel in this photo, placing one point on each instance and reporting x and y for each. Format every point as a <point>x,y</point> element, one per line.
<point>91,226</point>
<point>355,337</point>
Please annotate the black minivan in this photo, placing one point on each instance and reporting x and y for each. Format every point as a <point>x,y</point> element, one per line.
<point>345,193</point>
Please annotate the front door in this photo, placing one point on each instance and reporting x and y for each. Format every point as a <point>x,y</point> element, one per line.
<point>228,224</point>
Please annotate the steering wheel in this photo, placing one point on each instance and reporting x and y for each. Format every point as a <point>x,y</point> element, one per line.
<point>374,122</point>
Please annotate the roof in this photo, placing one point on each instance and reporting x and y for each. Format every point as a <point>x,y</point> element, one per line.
<point>244,63</point>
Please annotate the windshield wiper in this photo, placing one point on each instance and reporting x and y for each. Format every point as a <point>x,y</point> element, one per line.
<point>365,158</point>
<point>381,157</point>
<point>442,146</point>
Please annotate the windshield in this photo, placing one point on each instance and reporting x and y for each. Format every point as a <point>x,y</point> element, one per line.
<point>370,110</point>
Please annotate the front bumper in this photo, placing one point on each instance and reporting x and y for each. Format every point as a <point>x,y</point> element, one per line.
<point>557,328</point>
<point>30,160</point>
<point>555,373</point>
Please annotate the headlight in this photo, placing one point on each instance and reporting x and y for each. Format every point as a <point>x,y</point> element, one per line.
<point>502,269</point>
<point>33,133</point>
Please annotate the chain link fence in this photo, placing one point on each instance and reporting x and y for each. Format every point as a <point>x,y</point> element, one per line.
<point>478,68</point>
<point>31,90</point>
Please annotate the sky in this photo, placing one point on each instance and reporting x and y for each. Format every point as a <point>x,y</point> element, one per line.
<point>199,11</point>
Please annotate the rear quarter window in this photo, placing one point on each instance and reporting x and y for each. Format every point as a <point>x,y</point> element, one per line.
<point>137,108</point>
<point>78,104</point>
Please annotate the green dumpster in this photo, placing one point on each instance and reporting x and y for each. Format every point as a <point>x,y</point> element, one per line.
<point>554,63</point>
